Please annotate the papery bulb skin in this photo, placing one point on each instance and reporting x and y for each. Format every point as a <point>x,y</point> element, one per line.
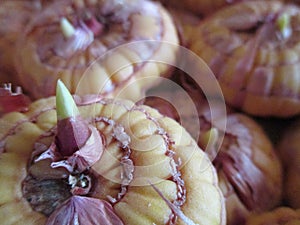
<point>249,183</point>
<point>12,101</point>
<point>94,25</point>
<point>72,134</point>
<point>84,210</point>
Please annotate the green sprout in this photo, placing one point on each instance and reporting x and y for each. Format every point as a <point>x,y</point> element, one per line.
<point>65,104</point>
<point>67,28</point>
<point>283,22</point>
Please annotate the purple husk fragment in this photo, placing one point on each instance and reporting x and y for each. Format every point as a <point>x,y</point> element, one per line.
<point>12,101</point>
<point>84,210</point>
<point>83,158</point>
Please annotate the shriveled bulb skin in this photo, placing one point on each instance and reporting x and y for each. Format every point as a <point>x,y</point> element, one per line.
<point>281,215</point>
<point>97,47</point>
<point>289,148</point>
<point>251,48</point>
<point>45,195</point>
<point>141,146</point>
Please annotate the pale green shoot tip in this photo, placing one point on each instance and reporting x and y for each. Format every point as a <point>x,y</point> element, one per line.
<point>210,137</point>
<point>283,23</point>
<point>65,104</point>
<point>67,28</point>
